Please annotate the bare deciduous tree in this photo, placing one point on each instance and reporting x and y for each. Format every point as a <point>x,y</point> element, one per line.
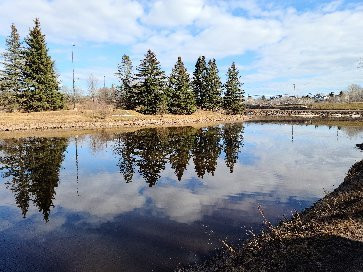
<point>92,83</point>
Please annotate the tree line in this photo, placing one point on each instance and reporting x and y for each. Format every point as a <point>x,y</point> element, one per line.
<point>149,91</point>
<point>28,80</point>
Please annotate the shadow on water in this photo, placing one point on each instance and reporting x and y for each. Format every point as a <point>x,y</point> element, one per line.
<point>32,165</point>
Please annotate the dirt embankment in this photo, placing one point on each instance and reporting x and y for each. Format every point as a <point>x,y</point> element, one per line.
<point>326,237</point>
<point>88,119</point>
<point>292,114</point>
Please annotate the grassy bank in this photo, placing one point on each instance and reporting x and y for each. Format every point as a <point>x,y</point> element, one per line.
<point>88,119</point>
<point>337,106</point>
<point>326,237</point>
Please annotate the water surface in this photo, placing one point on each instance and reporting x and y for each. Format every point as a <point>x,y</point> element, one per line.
<point>156,198</point>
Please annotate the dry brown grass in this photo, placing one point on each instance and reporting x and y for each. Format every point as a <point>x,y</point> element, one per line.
<point>337,106</point>
<point>104,117</point>
<point>326,237</point>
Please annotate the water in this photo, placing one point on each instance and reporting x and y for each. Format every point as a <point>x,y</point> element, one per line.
<point>156,198</point>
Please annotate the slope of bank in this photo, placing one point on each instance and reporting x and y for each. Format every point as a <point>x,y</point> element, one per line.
<point>326,237</point>
<point>88,119</point>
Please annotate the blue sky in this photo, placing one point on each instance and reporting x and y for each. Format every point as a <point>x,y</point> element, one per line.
<point>315,44</point>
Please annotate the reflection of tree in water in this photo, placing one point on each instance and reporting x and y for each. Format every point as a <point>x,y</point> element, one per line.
<point>182,140</point>
<point>125,148</point>
<point>352,131</point>
<point>33,164</point>
<point>146,149</point>
<point>206,151</point>
<point>150,149</point>
<point>233,142</point>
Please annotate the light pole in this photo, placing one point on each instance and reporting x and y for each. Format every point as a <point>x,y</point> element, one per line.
<point>74,89</point>
<point>104,81</point>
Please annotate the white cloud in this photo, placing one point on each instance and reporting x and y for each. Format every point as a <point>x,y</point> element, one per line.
<point>315,48</point>
<point>71,21</point>
<point>323,48</point>
<point>173,13</point>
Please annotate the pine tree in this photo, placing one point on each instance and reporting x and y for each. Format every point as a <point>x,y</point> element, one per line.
<point>199,80</point>
<point>213,87</point>
<point>150,86</point>
<point>233,101</point>
<point>11,75</point>
<point>127,95</point>
<point>181,96</point>
<point>41,83</point>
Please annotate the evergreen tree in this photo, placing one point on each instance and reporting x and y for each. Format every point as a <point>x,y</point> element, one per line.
<point>151,86</point>
<point>233,101</point>
<point>11,75</point>
<point>41,83</point>
<point>181,96</point>
<point>127,96</point>
<point>199,81</point>
<point>213,83</point>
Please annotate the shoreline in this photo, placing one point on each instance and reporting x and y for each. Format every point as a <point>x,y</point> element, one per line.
<point>328,236</point>
<point>82,121</point>
<point>94,120</point>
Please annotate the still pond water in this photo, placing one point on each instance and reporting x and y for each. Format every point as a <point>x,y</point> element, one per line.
<point>156,198</point>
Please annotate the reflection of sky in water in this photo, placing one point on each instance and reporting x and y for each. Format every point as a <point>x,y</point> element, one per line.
<point>103,223</point>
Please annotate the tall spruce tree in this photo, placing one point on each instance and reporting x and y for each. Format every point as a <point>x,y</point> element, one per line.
<point>41,84</point>
<point>126,95</point>
<point>151,85</point>
<point>233,100</point>
<point>199,81</point>
<point>181,96</point>
<point>213,87</point>
<point>11,75</point>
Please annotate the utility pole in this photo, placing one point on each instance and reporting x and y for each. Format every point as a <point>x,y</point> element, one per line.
<point>294,87</point>
<point>74,89</point>
<point>104,81</point>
